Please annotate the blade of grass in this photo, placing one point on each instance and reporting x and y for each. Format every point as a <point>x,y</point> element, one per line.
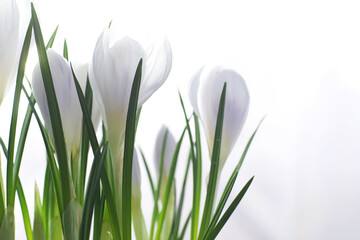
<point>54,112</point>
<point>148,173</point>
<point>95,146</point>
<point>52,38</point>
<point>229,211</point>
<point>158,188</point>
<point>24,210</point>
<point>92,188</point>
<point>11,179</point>
<point>214,168</point>
<point>184,227</point>
<point>196,160</point>
<point>3,146</point>
<point>128,153</point>
<point>65,51</point>
<point>181,202</point>
<point>21,143</point>
<point>230,184</point>
<point>98,214</point>
<point>49,150</point>
<point>168,186</point>
<point>84,147</point>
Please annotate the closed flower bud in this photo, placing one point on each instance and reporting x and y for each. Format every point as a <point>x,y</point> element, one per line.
<point>204,93</point>
<point>67,98</point>
<point>9,44</point>
<point>169,149</point>
<point>112,73</point>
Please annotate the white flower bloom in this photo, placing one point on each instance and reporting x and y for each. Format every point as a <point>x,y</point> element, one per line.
<point>67,98</point>
<point>9,44</point>
<point>170,146</point>
<point>112,73</point>
<point>204,93</point>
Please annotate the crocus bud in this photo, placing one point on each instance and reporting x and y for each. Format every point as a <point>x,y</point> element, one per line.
<point>112,72</point>
<point>66,95</point>
<point>204,93</point>
<point>169,148</point>
<point>9,43</point>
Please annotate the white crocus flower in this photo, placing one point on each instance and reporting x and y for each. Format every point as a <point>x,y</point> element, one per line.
<point>67,98</point>
<point>112,73</point>
<point>9,44</point>
<point>204,93</point>
<point>169,149</point>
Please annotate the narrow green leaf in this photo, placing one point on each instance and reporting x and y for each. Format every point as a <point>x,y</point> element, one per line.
<point>21,143</point>
<point>98,214</point>
<point>24,210</point>
<point>230,184</point>
<point>181,202</point>
<point>10,182</point>
<point>95,146</point>
<point>168,186</point>
<point>65,51</point>
<point>2,193</point>
<point>84,147</point>
<point>182,234</point>
<point>196,172</point>
<point>7,228</point>
<point>229,211</point>
<point>3,146</point>
<point>148,173</point>
<point>93,185</point>
<point>158,188</point>
<point>54,112</point>
<point>49,150</point>
<point>128,153</point>
<point>214,168</point>
<point>39,228</point>
<point>52,38</point>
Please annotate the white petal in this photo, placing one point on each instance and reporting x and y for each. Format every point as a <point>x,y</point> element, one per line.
<point>236,106</point>
<point>9,42</point>
<point>66,95</point>
<point>169,150</point>
<point>158,66</point>
<point>111,75</point>
<point>194,91</point>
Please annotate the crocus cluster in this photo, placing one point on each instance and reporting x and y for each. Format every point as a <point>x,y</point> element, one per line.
<point>105,90</point>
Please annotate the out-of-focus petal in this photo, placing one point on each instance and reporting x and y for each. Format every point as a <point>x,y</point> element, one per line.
<point>170,146</point>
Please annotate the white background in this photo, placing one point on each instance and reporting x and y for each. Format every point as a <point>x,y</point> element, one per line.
<point>301,62</point>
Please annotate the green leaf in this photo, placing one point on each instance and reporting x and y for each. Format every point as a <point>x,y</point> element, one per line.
<point>128,153</point>
<point>49,150</point>
<point>21,143</point>
<point>229,211</point>
<point>24,210</point>
<point>65,51</point>
<point>168,186</point>
<point>7,229</point>
<point>196,172</point>
<point>182,234</point>
<point>72,220</point>
<point>11,179</point>
<point>181,202</point>
<point>95,146</point>
<point>158,188</point>
<point>54,112</point>
<point>214,168</point>
<point>148,173</point>
<point>229,185</point>
<point>84,147</point>
<point>39,228</point>
<point>99,210</point>
<point>92,188</point>
<point>2,193</point>
<point>52,38</point>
